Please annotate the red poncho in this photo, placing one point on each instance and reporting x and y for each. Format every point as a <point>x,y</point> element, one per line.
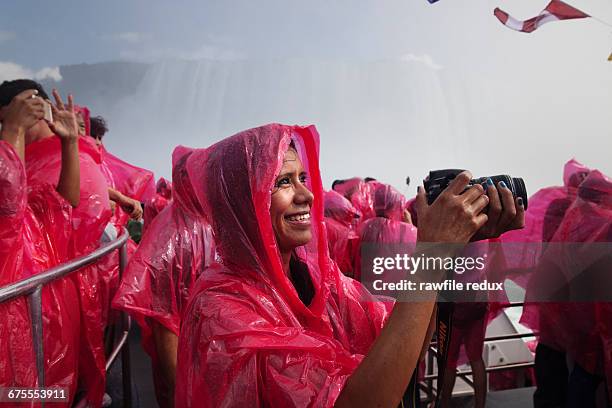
<point>43,164</point>
<point>359,193</point>
<point>586,227</point>
<point>246,337</point>
<point>128,179</point>
<point>340,220</point>
<point>527,263</point>
<point>174,251</point>
<point>603,311</point>
<point>160,200</point>
<point>35,232</point>
<point>340,209</point>
<point>387,227</point>
<point>523,248</point>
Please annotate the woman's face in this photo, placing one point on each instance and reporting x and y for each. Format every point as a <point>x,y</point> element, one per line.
<point>81,123</point>
<point>291,203</point>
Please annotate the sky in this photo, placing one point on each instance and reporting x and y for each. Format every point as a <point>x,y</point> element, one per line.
<point>479,95</point>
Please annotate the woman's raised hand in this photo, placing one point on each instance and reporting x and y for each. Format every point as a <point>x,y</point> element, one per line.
<point>64,118</point>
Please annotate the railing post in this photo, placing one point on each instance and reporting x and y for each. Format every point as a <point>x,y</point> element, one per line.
<point>32,288</point>
<point>126,372</point>
<point>430,365</point>
<point>35,306</point>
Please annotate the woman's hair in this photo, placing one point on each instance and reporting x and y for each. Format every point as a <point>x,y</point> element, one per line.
<point>98,127</point>
<point>10,89</point>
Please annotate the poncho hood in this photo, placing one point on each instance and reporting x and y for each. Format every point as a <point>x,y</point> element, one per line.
<point>339,208</point>
<point>240,212</point>
<point>388,202</point>
<point>574,172</point>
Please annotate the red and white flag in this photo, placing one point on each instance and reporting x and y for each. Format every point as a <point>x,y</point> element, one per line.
<point>556,10</point>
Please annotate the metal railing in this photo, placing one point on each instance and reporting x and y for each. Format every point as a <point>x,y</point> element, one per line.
<point>427,383</point>
<point>32,288</point>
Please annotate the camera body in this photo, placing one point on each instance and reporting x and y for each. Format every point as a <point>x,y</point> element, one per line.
<point>48,112</point>
<point>438,180</point>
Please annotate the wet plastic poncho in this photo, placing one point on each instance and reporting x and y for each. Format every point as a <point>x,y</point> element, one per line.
<point>17,364</point>
<point>129,180</point>
<point>387,227</point>
<point>246,338</point>
<point>35,231</point>
<point>546,210</point>
<point>603,311</point>
<point>160,200</point>
<point>348,187</point>
<point>363,199</point>
<point>174,251</point>
<point>163,187</point>
<point>360,195</point>
<point>340,209</point>
<point>89,218</point>
<point>341,219</point>
<point>588,222</point>
<point>524,252</point>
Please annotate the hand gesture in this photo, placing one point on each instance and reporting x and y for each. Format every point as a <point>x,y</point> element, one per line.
<point>132,207</point>
<point>504,213</point>
<point>24,111</point>
<point>64,119</point>
<point>455,216</point>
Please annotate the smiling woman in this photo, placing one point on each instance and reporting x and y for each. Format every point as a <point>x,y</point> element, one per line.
<point>275,323</point>
<point>290,207</point>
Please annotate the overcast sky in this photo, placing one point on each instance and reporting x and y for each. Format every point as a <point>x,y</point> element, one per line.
<point>513,102</point>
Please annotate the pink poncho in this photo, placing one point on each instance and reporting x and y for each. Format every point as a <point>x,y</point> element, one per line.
<point>246,337</point>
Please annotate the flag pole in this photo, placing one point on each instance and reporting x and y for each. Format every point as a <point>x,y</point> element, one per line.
<point>599,20</point>
<point>602,21</point>
<point>593,17</point>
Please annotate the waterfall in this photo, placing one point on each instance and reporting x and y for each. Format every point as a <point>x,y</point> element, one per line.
<point>386,119</point>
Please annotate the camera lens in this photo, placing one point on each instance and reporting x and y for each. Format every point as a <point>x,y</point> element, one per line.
<point>438,180</point>
<point>520,190</point>
<point>515,184</point>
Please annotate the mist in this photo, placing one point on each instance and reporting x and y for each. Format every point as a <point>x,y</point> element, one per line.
<point>396,88</point>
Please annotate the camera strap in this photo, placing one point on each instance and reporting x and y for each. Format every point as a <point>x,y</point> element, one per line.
<point>443,327</point>
<point>411,398</point>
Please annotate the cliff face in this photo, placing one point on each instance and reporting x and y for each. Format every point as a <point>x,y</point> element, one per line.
<point>101,85</point>
<point>151,108</point>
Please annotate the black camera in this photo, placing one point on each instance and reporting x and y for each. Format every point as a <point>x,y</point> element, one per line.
<point>438,180</point>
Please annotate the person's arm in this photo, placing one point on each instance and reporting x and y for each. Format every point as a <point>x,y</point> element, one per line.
<point>166,345</point>
<point>430,331</point>
<point>65,126</point>
<point>130,205</point>
<point>383,375</point>
<point>69,184</point>
<point>114,195</point>
<point>24,111</point>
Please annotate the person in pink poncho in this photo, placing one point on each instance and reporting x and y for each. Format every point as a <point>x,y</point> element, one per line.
<point>35,231</point>
<point>359,193</point>
<point>274,322</point>
<point>43,159</point>
<point>523,258</point>
<point>389,226</point>
<point>340,220</point>
<point>584,263</point>
<point>129,185</point>
<point>161,199</point>
<point>175,249</point>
